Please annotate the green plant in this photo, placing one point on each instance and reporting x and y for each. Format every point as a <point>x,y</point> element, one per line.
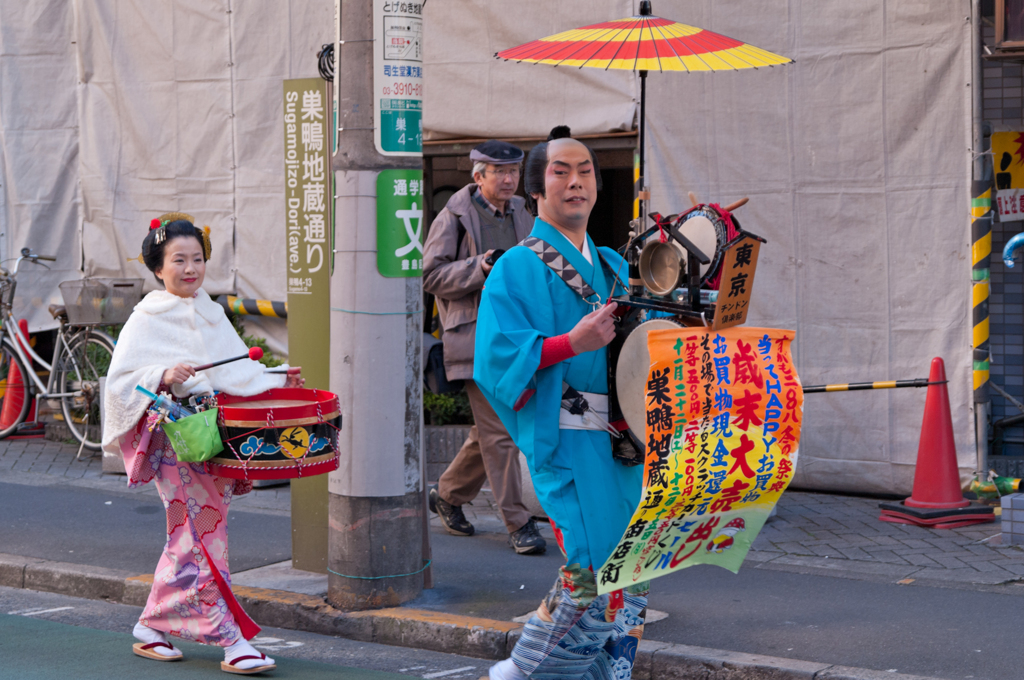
<point>268,360</point>
<point>447,409</point>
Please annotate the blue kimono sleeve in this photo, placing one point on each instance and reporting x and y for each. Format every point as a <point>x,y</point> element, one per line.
<point>508,346</point>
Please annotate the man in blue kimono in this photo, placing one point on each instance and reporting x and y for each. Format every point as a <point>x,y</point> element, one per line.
<point>537,334</point>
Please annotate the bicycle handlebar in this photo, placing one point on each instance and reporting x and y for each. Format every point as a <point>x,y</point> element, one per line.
<point>48,258</point>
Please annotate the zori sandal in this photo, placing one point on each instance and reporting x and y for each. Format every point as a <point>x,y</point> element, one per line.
<point>148,651</point>
<point>231,667</point>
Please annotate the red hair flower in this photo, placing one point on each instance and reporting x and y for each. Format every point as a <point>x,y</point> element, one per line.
<point>155,224</point>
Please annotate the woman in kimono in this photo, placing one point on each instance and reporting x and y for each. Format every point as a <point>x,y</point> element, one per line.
<point>168,333</point>
<point>536,333</point>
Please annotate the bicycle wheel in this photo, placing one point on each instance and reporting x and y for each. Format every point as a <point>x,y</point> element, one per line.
<point>81,365</point>
<point>17,394</point>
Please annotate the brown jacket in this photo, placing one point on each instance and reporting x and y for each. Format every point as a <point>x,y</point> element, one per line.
<point>456,278</point>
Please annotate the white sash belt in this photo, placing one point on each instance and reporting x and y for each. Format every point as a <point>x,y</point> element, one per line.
<point>587,421</point>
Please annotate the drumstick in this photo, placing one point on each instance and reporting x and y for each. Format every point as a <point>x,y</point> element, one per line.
<point>255,354</point>
<point>294,370</point>
<point>693,198</point>
<point>738,204</point>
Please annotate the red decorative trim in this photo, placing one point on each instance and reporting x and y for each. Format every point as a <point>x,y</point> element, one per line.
<point>151,645</point>
<point>620,425</point>
<point>283,472</point>
<point>556,350</point>
<point>261,657</point>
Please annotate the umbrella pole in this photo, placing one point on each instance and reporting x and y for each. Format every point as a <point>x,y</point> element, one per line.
<point>643,116</point>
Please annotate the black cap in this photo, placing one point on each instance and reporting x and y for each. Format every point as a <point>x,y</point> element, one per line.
<point>496,153</point>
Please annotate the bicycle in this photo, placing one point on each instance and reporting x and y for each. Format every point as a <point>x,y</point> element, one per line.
<point>81,357</point>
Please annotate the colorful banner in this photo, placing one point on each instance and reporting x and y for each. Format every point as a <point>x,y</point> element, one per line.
<point>723,430</point>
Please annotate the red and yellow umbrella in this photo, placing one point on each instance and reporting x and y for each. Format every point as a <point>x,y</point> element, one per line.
<point>643,43</point>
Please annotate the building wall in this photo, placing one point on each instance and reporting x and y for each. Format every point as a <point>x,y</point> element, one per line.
<point>1003,88</point>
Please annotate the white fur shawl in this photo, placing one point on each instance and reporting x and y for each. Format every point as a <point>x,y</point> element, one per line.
<point>165,330</point>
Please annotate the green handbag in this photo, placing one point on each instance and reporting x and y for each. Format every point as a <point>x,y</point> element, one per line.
<point>195,438</point>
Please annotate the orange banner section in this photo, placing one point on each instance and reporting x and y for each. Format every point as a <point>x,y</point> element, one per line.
<point>723,430</point>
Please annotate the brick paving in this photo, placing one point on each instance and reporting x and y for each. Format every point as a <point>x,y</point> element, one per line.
<point>40,462</point>
<point>816,532</point>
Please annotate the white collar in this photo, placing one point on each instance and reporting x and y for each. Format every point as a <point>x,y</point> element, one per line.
<point>586,250</point>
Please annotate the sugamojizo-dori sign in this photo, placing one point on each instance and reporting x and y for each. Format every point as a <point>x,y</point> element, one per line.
<point>308,230</point>
<point>398,77</point>
<point>400,223</point>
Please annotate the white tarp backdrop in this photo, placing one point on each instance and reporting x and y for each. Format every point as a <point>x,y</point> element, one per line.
<point>124,110</point>
<point>855,159</point>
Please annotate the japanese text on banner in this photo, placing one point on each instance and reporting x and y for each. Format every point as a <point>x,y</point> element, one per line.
<point>723,431</point>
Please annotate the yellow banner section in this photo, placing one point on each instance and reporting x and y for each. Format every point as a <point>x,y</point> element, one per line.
<point>723,430</point>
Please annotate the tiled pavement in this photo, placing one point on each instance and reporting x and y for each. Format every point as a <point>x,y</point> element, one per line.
<point>813,532</point>
<point>40,462</point>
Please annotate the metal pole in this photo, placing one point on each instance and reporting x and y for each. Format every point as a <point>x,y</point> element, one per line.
<point>375,539</point>
<point>981,250</point>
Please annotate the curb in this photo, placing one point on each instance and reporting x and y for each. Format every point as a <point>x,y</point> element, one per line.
<point>420,629</point>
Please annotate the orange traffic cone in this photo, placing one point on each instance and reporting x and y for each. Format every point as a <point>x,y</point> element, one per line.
<point>936,500</point>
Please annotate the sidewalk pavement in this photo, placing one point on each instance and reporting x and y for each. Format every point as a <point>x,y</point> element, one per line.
<point>472,607</point>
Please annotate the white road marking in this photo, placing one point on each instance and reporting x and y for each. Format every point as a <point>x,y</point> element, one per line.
<point>34,612</point>
<point>441,674</point>
<point>411,668</point>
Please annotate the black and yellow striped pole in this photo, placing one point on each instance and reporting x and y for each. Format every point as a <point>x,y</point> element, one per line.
<point>252,307</point>
<point>981,256</point>
<point>879,385</point>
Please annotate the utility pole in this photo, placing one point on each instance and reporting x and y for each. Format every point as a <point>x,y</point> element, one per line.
<point>376,542</point>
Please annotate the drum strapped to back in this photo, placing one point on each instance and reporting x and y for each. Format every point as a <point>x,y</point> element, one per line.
<point>283,433</point>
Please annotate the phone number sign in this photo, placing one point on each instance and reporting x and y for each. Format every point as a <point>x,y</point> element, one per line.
<point>398,77</point>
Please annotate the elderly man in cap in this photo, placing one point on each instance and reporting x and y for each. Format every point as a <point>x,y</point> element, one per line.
<point>479,223</point>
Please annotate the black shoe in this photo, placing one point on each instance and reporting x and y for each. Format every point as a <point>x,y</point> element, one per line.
<point>527,540</point>
<point>451,515</point>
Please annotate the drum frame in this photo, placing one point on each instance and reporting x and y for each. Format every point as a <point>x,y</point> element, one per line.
<point>690,310</point>
<point>322,414</point>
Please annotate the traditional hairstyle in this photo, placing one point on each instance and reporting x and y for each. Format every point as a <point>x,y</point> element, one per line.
<point>165,229</point>
<point>537,164</point>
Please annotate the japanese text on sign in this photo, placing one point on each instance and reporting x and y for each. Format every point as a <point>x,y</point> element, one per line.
<point>400,223</point>
<point>308,184</point>
<point>398,77</point>
<point>723,430</point>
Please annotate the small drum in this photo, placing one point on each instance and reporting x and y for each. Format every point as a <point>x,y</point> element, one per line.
<point>708,231</point>
<point>280,434</point>
<point>631,370</point>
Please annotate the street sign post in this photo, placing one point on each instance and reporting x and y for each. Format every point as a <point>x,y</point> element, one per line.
<point>308,241</point>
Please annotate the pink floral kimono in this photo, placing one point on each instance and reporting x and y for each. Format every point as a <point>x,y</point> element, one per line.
<point>191,597</point>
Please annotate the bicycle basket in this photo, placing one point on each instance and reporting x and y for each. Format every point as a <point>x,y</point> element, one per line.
<point>100,301</point>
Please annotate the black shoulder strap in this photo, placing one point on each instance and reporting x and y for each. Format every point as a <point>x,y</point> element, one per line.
<point>562,268</point>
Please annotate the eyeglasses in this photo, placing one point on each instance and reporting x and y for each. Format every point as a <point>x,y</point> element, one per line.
<point>505,172</point>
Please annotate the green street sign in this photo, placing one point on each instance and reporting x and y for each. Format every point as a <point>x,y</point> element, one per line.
<point>401,125</point>
<point>400,223</point>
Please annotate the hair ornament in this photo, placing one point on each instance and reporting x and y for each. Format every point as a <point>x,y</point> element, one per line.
<point>207,246</point>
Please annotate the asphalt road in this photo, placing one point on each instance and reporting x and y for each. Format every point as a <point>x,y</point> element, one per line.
<point>45,636</point>
<point>871,623</point>
<point>118,531</point>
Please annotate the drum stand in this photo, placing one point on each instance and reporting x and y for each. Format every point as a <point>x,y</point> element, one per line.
<point>638,298</point>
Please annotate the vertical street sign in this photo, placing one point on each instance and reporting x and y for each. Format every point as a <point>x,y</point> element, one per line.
<point>309,234</point>
<point>398,77</point>
<point>400,223</point>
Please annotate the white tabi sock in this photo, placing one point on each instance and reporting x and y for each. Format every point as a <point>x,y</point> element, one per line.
<point>243,648</point>
<point>147,635</point>
<point>506,670</point>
